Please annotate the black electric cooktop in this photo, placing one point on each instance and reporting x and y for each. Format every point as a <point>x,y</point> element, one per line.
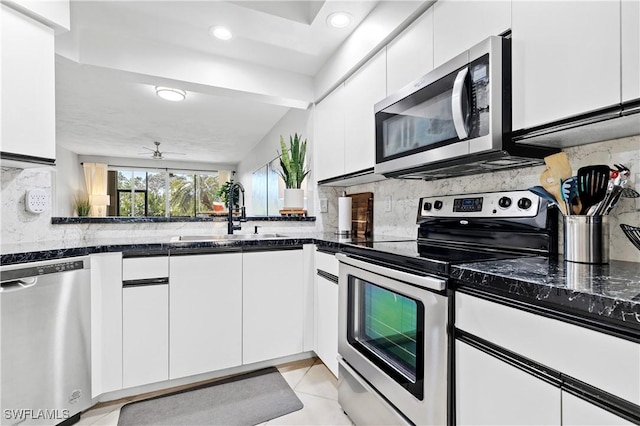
<point>423,256</point>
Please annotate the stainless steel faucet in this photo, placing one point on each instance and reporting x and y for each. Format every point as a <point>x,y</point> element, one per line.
<point>243,212</point>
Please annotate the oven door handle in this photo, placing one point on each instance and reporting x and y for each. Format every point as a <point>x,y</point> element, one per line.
<point>419,280</point>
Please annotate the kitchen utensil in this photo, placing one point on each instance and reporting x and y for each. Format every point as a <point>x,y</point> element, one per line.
<point>633,233</point>
<point>559,166</point>
<point>630,193</point>
<point>544,194</point>
<point>592,185</point>
<point>558,169</point>
<point>551,185</point>
<point>570,195</point>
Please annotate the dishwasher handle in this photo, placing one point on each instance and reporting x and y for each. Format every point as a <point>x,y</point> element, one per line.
<point>16,285</point>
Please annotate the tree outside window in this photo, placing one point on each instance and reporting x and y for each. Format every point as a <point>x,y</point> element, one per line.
<point>144,193</point>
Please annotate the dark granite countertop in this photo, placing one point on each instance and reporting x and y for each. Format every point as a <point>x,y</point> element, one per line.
<point>151,219</point>
<point>608,292</point>
<point>33,252</point>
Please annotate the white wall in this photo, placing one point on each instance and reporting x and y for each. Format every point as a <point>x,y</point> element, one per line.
<point>69,182</point>
<point>295,121</point>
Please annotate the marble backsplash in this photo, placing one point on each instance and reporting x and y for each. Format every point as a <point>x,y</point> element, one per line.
<point>405,194</point>
<point>23,229</point>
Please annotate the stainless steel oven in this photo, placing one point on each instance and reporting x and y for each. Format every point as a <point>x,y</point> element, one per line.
<point>395,351</point>
<point>392,337</point>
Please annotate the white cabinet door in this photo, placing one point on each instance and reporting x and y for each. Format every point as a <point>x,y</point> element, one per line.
<point>578,412</point>
<point>566,59</point>
<point>410,55</point>
<point>492,392</point>
<point>28,86</point>
<point>272,310</point>
<point>145,334</point>
<point>327,323</point>
<point>630,49</point>
<point>205,313</point>
<point>362,90</point>
<point>106,323</point>
<point>329,132</point>
<point>458,25</point>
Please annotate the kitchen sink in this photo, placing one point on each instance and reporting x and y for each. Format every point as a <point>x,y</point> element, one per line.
<point>227,237</point>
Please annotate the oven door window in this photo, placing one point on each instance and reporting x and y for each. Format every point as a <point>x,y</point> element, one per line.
<point>387,328</point>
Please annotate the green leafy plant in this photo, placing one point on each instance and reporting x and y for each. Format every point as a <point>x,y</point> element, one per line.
<point>223,193</point>
<point>82,206</point>
<point>292,165</point>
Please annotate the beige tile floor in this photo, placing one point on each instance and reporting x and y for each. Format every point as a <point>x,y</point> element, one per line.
<point>312,382</point>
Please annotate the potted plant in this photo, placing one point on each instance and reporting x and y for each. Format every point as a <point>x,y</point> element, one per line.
<point>223,193</point>
<point>82,206</point>
<point>293,170</point>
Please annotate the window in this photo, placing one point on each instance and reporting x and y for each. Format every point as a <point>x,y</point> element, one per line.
<point>162,192</point>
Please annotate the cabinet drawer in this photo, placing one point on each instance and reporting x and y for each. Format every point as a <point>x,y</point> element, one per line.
<point>138,268</point>
<point>598,359</point>
<point>327,262</point>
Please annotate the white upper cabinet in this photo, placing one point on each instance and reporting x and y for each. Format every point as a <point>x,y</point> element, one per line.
<point>458,25</point>
<point>27,86</point>
<point>329,135</point>
<point>410,55</point>
<point>566,59</point>
<point>630,49</point>
<point>362,90</point>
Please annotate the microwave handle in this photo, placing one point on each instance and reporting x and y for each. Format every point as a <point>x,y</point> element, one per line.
<point>456,103</point>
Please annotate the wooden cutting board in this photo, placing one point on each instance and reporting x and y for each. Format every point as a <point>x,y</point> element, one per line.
<point>362,214</point>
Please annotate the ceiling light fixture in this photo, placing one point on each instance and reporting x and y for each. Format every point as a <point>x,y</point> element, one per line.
<point>339,20</point>
<point>170,94</point>
<point>221,33</point>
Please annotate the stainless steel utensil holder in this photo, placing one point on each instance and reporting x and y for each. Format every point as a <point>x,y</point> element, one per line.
<point>586,239</point>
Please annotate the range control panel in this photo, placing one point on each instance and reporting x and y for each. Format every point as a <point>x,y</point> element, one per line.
<point>492,204</point>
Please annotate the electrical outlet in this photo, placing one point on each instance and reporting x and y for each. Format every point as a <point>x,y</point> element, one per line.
<point>388,205</point>
<point>324,205</point>
<point>36,201</point>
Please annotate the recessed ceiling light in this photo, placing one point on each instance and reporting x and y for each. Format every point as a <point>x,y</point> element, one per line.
<point>221,33</point>
<point>171,94</point>
<point>339,20</point>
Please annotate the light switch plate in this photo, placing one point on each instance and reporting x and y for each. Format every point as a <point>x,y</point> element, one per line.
<point>324,205</point>
<point>388,205</point>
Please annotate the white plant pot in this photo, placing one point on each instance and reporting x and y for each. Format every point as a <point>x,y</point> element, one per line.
<point>293,198</point>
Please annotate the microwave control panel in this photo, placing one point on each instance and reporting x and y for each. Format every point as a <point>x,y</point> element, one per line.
<point>494,204</point>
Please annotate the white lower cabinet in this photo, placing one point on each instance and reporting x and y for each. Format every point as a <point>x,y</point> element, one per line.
<point>106,323</point>
<point>145,337</point>
<point>492,392</point>
<point>327,323</point>
<point>578,412</point>
<point>205,313</point>
<point>272,305</point>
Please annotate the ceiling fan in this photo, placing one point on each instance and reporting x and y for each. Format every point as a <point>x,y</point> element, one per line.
<point>157,154</point>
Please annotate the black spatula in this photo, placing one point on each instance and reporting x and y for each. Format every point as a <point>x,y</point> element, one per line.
<point>592,185</point>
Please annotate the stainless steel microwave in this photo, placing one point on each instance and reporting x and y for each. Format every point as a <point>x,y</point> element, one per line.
<point>456,120</point>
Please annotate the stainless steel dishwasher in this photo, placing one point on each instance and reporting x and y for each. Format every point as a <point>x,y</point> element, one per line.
<point>45,341</point>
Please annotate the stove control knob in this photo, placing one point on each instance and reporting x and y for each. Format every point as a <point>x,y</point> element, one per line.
<point>524,203</point>
<point>504,202</point>
<point>437,205</point>
<point>427,206</point>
